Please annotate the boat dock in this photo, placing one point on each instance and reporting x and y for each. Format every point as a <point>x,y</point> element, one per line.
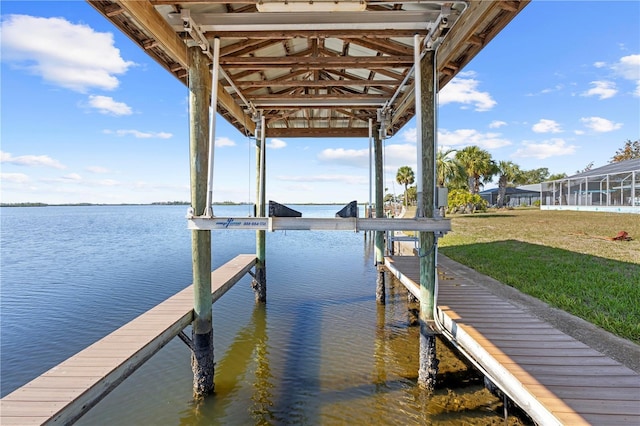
<point>67,391</point>
<point>553,377</point>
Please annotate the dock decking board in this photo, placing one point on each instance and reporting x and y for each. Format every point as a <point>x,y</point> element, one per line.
<point>68,390</point>
<point>574,383</point>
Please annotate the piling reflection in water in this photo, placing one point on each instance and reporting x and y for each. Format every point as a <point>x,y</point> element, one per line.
<point>246,360</point>
<point>326,382</point>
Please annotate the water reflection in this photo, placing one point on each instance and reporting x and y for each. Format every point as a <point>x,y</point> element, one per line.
<point>320,352</point>
<point>232,371</point>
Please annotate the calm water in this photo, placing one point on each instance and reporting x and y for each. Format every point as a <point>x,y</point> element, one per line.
<point>320,352</point>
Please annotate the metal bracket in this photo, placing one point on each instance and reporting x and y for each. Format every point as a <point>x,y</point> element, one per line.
<point>193,29</point>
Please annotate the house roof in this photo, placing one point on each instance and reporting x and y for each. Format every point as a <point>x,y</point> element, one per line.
<point>318,69</point>
<point>510,190</point>
<point>612,168</point>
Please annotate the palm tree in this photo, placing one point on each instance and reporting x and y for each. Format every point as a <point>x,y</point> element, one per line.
<point>406,177</point>
<point>448,168</point>
<point>509,173</point>
<point>478,165</point>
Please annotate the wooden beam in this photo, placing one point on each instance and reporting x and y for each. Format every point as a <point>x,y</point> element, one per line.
<point>491,15</point>
<point>320,62</point>
<point>350,97</point>
<point>173,2</point>
<point>146,16</point>
<point>324,132</point>
<point>266,34</point>
<point>384,46</point>
<point>320,83</point>
<point>379,200</point>
<point>202,363</point>
<point>247,46</point>
<point>428,362</point>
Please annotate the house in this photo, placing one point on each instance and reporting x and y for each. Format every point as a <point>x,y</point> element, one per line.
<point>611,188</point>
<point>514,197</point>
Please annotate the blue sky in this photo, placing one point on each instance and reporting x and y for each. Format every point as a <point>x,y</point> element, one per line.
<point>88,117</point>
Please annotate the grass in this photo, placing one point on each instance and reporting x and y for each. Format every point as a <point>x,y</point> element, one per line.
<point>561,257</point>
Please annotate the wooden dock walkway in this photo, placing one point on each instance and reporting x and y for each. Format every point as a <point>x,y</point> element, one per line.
<point>67,391</point>
<point>553,377</point>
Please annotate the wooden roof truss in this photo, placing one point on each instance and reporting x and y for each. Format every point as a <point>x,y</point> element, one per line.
<point>318,70</point>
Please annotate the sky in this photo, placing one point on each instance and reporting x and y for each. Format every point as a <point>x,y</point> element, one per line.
<point>87,116</point>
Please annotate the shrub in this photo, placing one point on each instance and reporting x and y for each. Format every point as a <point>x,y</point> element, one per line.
<point>461,201</point>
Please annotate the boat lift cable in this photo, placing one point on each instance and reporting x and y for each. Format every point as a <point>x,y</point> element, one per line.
<point>249,139</point>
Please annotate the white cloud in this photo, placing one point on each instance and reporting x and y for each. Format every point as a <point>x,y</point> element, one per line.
<point>495,124</point>
<point>349,157</point>
<point>31,160</point>
<point>602,89</point>
<point>599,124</point>
<point>467,137</point>
<point>398,155</point>
<point>276,144</point>
<point>465,91</point>
<point>556,88</point>
<point>107,105</point>
<point>546,126</point>
<point>410,135</point>
<point>629,68</point>
<point>72,177</point>
<point>222,141</point>
<point>551,148</point>
<point>97,169</point>
<point>138,134</point>
<point>69,55</point>
<point>14,177</point>
<point>599,64</point>
<point>460,137</point>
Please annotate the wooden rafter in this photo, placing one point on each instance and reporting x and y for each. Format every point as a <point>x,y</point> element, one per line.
<point>310,59</point>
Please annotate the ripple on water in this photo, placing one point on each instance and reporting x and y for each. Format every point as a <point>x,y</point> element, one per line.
<point>320,352</point>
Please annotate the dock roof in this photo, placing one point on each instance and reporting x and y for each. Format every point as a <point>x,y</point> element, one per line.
<point>313,68</point>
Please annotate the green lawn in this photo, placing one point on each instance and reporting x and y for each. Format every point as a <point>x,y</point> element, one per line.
<point>563,258</point>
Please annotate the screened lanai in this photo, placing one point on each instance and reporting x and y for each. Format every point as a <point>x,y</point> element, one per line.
<point>611,188</point>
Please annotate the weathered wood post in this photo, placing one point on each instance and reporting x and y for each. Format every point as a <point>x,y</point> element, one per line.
<point>426,83</point>
<point>380,291</point>
<point>259,282</point>
<point>202,331</point>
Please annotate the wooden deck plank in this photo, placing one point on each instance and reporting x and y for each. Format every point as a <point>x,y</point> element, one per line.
<point>611,419</point>
<point>573,382</point>
<point>585,380</point>
<point>66,391</point>
<point>598,406</point>
<point>551,359</point>
<point>20,421</point>
<point>570,371</point>
<point>614,393</point>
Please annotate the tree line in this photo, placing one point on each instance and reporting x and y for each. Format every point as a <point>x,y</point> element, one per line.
<point>464,172</point>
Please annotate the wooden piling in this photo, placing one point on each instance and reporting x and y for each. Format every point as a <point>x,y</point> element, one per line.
<point>380,290</point>
<point>259,282</point>
<point>202,362</point>
<point>428,361</point>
